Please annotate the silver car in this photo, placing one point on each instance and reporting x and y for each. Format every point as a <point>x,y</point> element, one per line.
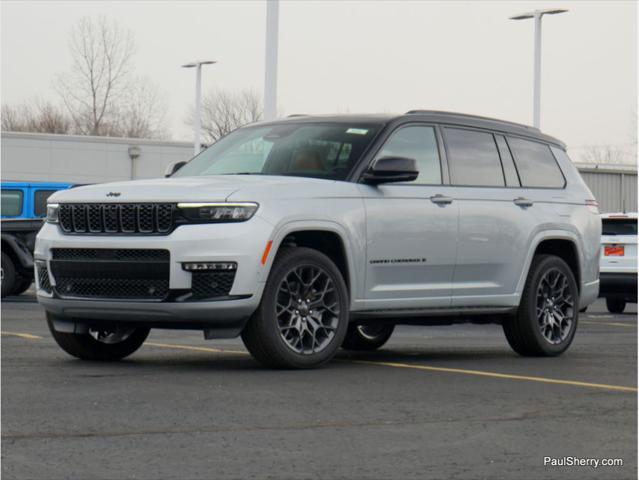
<point>313,233</point>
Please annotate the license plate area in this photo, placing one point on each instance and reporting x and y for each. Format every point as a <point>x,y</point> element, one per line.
<point>614,251</point>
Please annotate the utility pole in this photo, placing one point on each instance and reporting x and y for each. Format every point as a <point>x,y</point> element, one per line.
<point>270,59</point>
<point>537,15</point>
<point>197,121</point>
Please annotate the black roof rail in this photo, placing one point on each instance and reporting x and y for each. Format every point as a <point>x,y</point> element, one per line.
<point>297,115</point>
<point>466,115</point>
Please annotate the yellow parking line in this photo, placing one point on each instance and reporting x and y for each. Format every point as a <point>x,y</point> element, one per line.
<point>481,373</point>
<point>614,324</point>
<point>28,336</point>
<point>499,375</point>
<point>197,349</point>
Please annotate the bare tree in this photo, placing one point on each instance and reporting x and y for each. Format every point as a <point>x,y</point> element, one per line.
<point>37,117</point>
<point>100,91</point>
<point>224,111</point>
<point>141,114</point>
<point>604,154</point>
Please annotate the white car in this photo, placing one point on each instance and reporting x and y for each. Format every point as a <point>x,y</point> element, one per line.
<point>618,265</point>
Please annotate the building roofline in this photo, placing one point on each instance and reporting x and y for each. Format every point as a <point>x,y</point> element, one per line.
<point>94,139</point>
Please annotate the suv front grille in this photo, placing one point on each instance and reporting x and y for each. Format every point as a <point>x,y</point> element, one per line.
<point>121,219</point>
<point>111,273</point>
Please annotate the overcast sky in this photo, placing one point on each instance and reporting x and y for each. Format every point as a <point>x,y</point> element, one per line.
<point>362,56</point>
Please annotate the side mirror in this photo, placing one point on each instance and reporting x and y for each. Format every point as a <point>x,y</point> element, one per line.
<point>173,167</point>
<point>392,169</point>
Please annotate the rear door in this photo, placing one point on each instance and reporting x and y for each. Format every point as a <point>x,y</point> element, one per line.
<point>411,228</point>
<point>496,219</point>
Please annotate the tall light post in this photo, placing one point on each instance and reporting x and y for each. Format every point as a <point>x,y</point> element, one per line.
<point>537,15</point>
<point>270,60</point>
<point>197,123</point>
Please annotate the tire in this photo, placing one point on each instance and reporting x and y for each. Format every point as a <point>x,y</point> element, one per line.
<point>85,346</point>
<point>367,337</point>
<point>615,305</point>
<point>281,340</point>
<point>22,285</point>
<point>524,331</point>
<point>8,276</point>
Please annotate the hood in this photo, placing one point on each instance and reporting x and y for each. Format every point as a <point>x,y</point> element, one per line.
<point>214,188</point>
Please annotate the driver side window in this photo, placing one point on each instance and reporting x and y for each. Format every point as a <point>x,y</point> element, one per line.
<point>420,143</point>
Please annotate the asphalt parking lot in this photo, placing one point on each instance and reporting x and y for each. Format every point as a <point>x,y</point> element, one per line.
<point>439,402</point>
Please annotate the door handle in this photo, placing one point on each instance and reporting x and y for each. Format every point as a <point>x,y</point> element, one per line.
<point>440,199</point>
<point>523,202</point>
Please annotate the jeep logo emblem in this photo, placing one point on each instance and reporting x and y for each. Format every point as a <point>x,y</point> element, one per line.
<point>113,194</point>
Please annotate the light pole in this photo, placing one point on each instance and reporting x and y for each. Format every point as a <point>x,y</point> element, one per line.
<point>270,60</point>
<point>197,124</point>
<point>537,14</point>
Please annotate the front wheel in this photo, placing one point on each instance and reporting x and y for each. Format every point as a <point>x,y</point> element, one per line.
<point>546,321</point>
<point>22,286</point>
<point>303,316</point>
<point>615,305</point>
<point>100,344</point>
<point>367,337</point>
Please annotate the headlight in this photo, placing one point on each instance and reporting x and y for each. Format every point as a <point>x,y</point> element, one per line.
<point>218,212</point>
<point>53,209</point>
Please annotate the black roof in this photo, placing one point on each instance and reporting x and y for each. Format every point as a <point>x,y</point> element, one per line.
<point>433,116</point>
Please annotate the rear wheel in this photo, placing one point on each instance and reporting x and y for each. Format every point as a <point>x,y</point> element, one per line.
<point>546,321</point>
<point>100,344</point>
<point>615,305</point>
<point>303,316</point>
<point>367,337</point>
<point>8,275</point>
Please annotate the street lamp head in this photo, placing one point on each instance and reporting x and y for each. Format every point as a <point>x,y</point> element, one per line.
<point>199,62</point>
<point>538,13</point>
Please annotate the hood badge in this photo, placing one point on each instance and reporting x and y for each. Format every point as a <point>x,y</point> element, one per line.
<point>113,194</point>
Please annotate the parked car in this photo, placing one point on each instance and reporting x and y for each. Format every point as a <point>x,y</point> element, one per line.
<point>24,206</point>
<point>310,233</point>
<point>618,265</point>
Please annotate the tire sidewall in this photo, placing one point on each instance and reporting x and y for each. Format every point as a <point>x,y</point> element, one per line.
<point>9,272</point>
<point>545,265</point>
<point>302,257</point>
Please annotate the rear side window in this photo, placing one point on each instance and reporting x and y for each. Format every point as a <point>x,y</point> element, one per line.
<point>510,172</point>
<point>11,202</point>
<point>536,164</point>
<point>473,158</point>
<point>619,226</point>
<point>416,142</point>
<point>40,202</point>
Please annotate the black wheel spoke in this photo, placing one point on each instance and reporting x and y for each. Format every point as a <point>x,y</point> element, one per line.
<point>307,309</point>
<point>554,306</point>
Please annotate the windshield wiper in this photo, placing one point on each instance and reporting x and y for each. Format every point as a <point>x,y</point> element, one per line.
<point>243,173</point>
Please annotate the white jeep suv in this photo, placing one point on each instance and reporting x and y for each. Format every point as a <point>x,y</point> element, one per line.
<point>309,234</point>
<point>618,260</point>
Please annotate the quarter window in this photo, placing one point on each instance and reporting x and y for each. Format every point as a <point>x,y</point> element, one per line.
<point>420,143</point>
<point>536,164</point>
<point>11,203</point>
<point>40,202</point>
<point>473,158</point>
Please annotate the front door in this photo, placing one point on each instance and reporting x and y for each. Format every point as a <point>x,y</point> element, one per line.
<point>411,229</point>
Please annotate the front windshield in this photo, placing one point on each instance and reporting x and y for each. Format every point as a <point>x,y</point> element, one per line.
<point>319,150</point>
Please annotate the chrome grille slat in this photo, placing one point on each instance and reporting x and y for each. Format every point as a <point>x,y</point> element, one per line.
<point>123,219</point>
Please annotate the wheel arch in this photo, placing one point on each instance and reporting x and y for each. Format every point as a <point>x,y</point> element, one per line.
<point>326,237</point>
<point>563,244</point>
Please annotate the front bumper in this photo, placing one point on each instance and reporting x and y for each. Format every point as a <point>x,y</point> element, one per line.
<point>242,243</point>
